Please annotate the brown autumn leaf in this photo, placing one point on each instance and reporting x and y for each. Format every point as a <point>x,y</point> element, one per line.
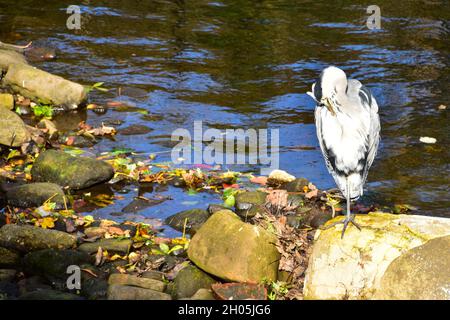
<point>262,180</point>
<point>99,257</point>
<point>312,194</point>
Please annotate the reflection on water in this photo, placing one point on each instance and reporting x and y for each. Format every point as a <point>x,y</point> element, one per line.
<point>248,64</point>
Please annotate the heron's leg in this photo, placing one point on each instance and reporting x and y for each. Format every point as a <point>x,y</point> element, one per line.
<point>349,217</point>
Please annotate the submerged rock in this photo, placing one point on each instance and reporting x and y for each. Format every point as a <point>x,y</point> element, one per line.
<point>35,194</point>
<point>233,250</point>
<point>36,54</point>
<point>249,203</point>
<point>353,267</point>
<point>135,129</point>
<point>75,172</point>
<point>422,273</point>
<point>189,280</point>
<point>26,238</point>
<point>13,131</point>
<point>194,219</point>
<point>122,292</point>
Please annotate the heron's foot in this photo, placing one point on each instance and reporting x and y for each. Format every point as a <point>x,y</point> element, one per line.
<point>345,222</point>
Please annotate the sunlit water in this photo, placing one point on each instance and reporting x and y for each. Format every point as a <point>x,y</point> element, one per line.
<point>248,64</point>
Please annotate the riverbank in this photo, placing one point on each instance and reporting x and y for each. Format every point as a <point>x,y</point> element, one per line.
<point>256,244</point>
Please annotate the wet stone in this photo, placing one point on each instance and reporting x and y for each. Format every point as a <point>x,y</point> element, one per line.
<point>75,172</point>
<point>120,246</point>
<point>193,219</point>
<point>189,280</point>
<point>123,292</point>
<point>51,263</point>
<point>35,194</point>
<point>49,294</point>
<point>135,129</point>
<point>130,280</point>
<point>249,203</point>
<point>27,238</point>
<point>8,258</point>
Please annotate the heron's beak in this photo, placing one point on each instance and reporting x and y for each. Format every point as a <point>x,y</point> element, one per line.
<point>327,103</point>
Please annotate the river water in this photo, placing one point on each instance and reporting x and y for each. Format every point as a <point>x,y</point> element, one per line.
<point>248,64</point>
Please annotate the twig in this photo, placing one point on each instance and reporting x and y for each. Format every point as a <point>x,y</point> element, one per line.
<point>14,47</point>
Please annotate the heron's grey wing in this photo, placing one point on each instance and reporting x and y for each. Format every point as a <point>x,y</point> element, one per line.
<point>324,149</point>
<point>373,137</point>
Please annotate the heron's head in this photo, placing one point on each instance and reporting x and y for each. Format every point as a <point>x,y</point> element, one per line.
<point>331,85</point>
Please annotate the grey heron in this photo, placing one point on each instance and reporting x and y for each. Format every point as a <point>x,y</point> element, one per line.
<point>348,129</point>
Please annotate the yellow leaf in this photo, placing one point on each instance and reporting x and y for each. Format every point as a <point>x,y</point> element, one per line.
<point>47,222</point>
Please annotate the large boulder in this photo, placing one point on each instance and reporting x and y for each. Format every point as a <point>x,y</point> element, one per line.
<point>233,250</point>
<point>422,273</point>
<point>13,131</point>
<point>75,172</point>
<point>9,57</point>
<point>354,267</point>
<point>35,194</point>
<point>37,84</point>
<point>27,238</point>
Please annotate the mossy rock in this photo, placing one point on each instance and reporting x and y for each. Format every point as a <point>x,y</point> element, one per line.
<point>295,185</point>
<point>9,57</point>
<point>352,267</point>
<point>49,294</point>
<point>131,280</point>
<point>6,101</point>
<point>8,258</point>
<point>35,194</point>
<point>188,281</point>
<point>121,246</point>
<point>422,273</point>
<point>37,84</point>
<point>123,292</point>
<point>194,219</point>
<point>27,238</point>
<point>75,172</point>
<point>51,263</point>
<point>233,250</point>
<point>249,203</point>
<point>13,131</point>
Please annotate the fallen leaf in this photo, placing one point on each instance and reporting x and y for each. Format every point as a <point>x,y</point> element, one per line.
<point>311,194</point>
<point>262,180</point>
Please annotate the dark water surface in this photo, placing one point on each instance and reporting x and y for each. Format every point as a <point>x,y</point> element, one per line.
<point>248,64</point>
